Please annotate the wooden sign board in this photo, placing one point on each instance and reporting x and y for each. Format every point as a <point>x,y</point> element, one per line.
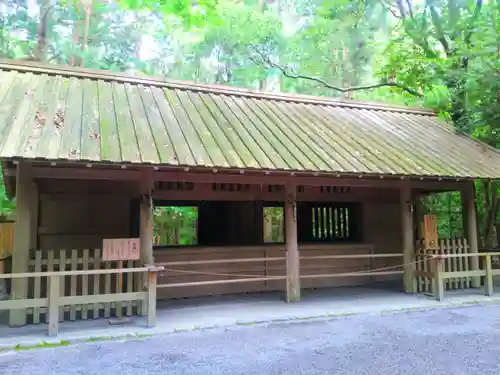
<point>430,232</point>
<point>120,249</point>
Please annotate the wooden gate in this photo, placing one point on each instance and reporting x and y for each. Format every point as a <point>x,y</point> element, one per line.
<point>423,266</point>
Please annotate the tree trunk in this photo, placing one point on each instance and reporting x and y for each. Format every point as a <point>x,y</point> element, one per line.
<point>88,5</point>
<point>40,53</point>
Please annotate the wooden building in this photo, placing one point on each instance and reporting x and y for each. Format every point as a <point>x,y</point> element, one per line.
<point>90,154</point>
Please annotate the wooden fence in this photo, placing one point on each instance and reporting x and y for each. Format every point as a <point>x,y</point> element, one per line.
<point>91,283</point>
<point>54,301</point>
<point>441,277</point>
<point>458,263</point>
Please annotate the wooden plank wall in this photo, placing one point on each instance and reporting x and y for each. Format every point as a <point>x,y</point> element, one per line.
<point>78,214</point>
<point>220,271</point>
<point>382,228</point>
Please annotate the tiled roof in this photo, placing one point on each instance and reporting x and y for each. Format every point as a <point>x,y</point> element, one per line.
<point>75,114</point>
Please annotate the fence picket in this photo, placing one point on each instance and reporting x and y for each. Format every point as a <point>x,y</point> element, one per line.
<point>455,261</point>
<point>50,268</point>
<point>118,289</point>
<point>73,290</point>
<point>426,268</point>
<point>448,266</point>
<point>37,285</point>
<point>85,281</point>
<point>466,261</point>
<point>97,265</point>
<point>62,282</point>
<point>107,290</point>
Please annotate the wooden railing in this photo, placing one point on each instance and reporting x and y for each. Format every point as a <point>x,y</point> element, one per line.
<point>318,266</point>
<point>440,276</point>
<point>54,302</point>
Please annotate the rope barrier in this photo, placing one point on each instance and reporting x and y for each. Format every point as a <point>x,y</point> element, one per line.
<point>361,273</point>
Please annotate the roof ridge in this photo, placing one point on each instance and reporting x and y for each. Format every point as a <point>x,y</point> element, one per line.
<point>84,73</point>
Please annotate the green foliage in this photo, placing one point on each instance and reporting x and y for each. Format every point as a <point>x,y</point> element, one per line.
<point>448,210</point>
<point>446,50</point>
<point>175,225</point>
<point>7,205</point>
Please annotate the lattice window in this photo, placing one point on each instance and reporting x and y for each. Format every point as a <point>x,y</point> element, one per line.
<point>329,222</point>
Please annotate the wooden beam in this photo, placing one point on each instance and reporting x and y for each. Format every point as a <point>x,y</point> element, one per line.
<point>134,173</point>
<point>22,238</point>
<point>407,236</point>
<point>292,249</point>
<point>470,225</point>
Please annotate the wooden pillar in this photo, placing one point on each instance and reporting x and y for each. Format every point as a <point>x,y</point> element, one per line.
<point>469,215</point>
<point>23,237</point>
<point>146,230</point>
<point>146,218</point>
<point>292,249</point>
<point>407,237</point>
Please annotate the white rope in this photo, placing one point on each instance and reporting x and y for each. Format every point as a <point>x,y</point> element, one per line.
<point>260,276</point>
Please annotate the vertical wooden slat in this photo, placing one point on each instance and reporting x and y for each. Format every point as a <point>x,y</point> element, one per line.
<point>73,290</point>
<point>465,247</point>
<point>50,267</point>
<point>85,281</point>
<point>443,251</point>
<point>62,280</point>
<point>130,284</point>
<point>331,230</point>
<point>97,265</point>
<point>456,281</point>
<point>426,268</point>
<point>461,260</point>
<point>321,222</point>
<point>118,289</point>
<point>316,223</point>
<point>37,285</point>
<point>107,290</point>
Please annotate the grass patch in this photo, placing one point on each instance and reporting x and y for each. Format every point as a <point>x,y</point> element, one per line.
<point>122,337</point>
<point>100,338</point>
<point>43,345</point>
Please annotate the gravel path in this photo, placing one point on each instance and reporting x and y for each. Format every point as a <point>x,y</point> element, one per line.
<point>445,341</point>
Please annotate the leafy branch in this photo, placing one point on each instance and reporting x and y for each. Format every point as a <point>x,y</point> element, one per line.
<point>289,72</point>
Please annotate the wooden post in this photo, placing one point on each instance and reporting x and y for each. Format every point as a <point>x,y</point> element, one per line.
<point>438,284</point>
<point>292,250</point>
<point>146,225</point>
<point>151,300</point>
<point>53,309</point>
<point>409,280</point>
<point>22,238</point>
<point>470,228</point>
<point>488,280</point>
